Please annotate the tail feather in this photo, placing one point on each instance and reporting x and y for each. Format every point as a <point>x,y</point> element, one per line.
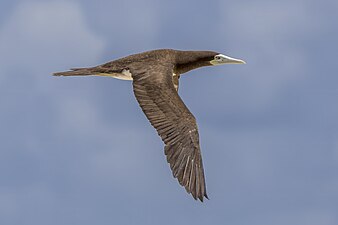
<point>75,72</point>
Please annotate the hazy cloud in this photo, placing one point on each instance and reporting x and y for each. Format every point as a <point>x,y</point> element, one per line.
<point>269,36</point>
<point>39,35</point>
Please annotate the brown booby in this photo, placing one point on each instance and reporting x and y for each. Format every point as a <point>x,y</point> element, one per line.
<point>155,75</point>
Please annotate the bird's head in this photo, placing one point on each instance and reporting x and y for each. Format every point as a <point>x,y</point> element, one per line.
<point>220,59</point>
<point>189,60</point>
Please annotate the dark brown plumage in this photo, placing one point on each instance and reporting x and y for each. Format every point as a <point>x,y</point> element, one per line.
<point>155,76</point>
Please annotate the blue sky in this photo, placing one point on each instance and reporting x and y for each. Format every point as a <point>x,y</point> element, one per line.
<point>80,151</point>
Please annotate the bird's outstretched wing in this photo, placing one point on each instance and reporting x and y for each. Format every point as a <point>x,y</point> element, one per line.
<point>158,98</point>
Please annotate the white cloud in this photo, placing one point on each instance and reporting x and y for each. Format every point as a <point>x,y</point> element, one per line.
<point>39,35</point>
<point>267,35</point>
<point>40,38</point>
<point>133,27</point>
<point>271,21</point>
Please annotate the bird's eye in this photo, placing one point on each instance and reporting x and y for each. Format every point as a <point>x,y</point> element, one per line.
<point>217,57</point>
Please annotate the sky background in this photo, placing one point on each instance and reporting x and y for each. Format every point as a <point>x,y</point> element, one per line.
<point>79,151</point>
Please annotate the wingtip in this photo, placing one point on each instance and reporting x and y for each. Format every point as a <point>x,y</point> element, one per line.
<point>201,198</point>
<point>206,196</point>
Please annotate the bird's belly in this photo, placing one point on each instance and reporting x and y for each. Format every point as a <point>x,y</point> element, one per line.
<point>124,75</point>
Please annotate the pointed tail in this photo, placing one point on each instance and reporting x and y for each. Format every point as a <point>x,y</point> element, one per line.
<point>75,72</point>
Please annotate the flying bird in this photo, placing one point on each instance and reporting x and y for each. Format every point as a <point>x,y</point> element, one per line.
<point>155,76</point>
